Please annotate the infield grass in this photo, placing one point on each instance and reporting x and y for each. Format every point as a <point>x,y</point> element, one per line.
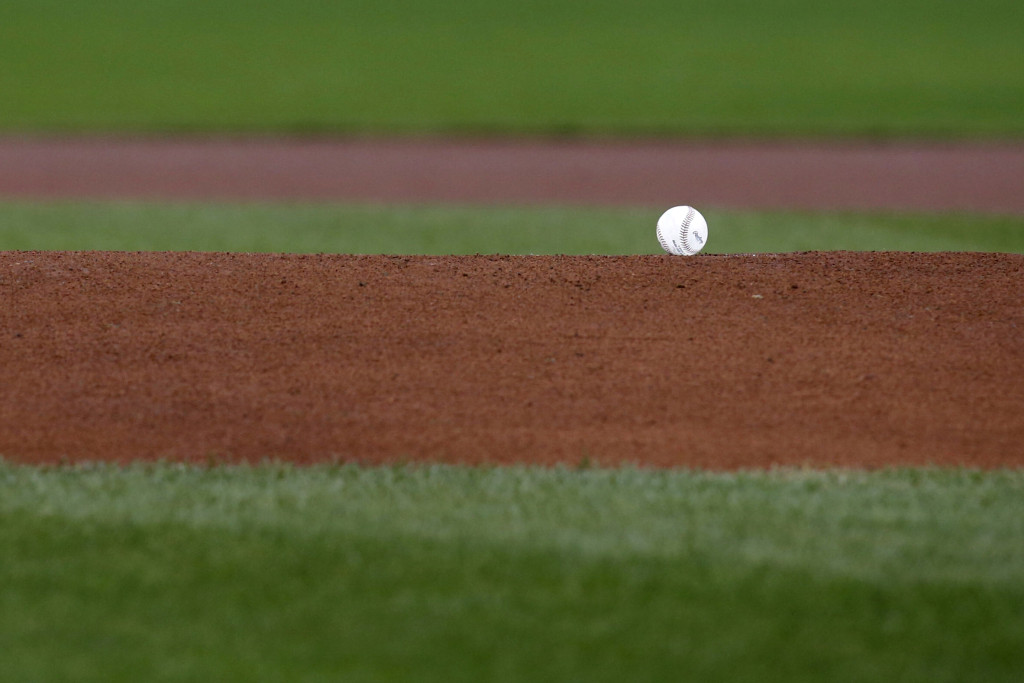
<point>439,573</point>
<point>652,67</point>
<point>313,228</point>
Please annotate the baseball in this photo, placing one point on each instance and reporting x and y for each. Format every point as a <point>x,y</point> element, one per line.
<point>682,231</point>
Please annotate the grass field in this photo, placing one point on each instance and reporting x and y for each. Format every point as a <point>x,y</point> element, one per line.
<point>780,67</point>
<point>168,572</point>
<point>467,230</point>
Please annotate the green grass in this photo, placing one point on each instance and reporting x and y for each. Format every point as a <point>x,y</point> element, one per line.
<point>275,573</point>
<point>310,228</point>
<point>778,67</point>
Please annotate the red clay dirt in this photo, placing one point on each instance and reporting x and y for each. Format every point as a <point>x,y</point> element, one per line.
<point>816,359</point>
<point>722,362</point>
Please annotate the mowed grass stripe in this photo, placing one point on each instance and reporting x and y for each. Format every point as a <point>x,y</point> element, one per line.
<point>431,229</point>
<point>274,572</point>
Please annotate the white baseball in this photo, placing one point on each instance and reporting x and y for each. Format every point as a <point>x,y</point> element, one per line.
<point>682,231</point>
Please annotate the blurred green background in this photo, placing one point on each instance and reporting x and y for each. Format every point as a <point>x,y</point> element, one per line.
<point>930,68</point>
<point>776,68</point>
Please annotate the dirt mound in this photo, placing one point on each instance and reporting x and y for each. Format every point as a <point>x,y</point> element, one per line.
<point>721,362</point>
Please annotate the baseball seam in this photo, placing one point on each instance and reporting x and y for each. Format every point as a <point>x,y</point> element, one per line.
<point>684,231</point>
<point>664,243</point>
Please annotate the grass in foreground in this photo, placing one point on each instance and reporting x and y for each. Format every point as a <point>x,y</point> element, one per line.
<point>168,572</point>
<point>312,228</point>
<point>732,67</point>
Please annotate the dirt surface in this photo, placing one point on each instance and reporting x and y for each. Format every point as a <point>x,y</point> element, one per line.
<point>981,177</point>
<point>722,362</point>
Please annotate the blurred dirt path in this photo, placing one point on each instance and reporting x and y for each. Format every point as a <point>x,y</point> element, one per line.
<point>978,177</point>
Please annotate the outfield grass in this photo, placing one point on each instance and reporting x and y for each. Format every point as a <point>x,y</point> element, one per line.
<point>169,572</point>
<point>776,67</point>
<point>466,230</point>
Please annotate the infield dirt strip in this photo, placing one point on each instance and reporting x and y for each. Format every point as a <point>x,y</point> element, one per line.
<point>981,177</point>
<point>855,359</point>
